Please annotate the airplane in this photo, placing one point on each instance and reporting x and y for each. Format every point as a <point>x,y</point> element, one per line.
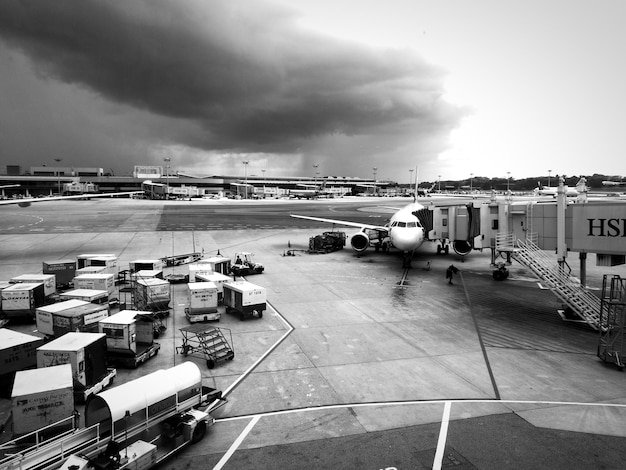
<point>614,183</point>
<point>404,232</point>
<point>26,202</point>
<point>541,190</point>
<point>308,193</point>
<point>423,192</point>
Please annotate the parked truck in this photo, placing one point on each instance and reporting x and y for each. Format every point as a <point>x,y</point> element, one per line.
<point>136,425</point>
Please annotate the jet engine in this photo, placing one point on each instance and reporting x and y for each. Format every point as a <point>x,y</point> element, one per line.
<point>461,247</point>
<point>359,241</point>
<point>23,204</point>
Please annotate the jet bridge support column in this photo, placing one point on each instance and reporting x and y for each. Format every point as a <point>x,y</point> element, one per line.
<point>583,268</point>
<point>561,204</point>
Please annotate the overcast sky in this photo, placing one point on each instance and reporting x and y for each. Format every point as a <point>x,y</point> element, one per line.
<point>458,87</point>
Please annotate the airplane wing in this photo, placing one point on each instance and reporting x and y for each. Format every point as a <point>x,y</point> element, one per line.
<point>27,202</point>
<point>347,223</point>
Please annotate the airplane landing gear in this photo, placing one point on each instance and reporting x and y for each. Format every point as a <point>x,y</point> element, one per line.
<point>443,247</point>
<point>407,257</point>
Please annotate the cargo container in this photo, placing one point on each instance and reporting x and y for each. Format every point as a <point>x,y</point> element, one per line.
<point>94,296</point>
<point>18,351</point>
<point>109,263</point>
<point>82,260</point>
<point>64,270</point>
<point>91,270</point>
<point>86,353</point>
<point>219,264</point>
<point>22,299</point>
<point>102,281</point>
<point>44,315</point>
<point>3,285</point>
<point>147,273</point>
<point>219,279</point>
<point>149,264</point>
<point>48,280</point>
<point>200,267</point>
<point>76,316</point>
<point>152,294</point>
<point>245,298</point>
<point>41,397</point>
<point>202,302</point>
<point>129,337</point>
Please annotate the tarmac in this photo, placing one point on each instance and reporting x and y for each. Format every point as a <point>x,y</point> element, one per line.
<point>357,363</point>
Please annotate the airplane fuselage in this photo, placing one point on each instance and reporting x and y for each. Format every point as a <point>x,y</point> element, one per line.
<point>405,230</point>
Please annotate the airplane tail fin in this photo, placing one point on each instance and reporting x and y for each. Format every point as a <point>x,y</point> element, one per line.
<point>415,193</point>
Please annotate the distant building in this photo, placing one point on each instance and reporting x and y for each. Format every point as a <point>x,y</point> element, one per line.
<point>65,171</point>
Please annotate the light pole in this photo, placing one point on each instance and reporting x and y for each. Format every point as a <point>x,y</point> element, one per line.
<point>167,177</point>
<point>410,180</point>
<point>315,165</point>
<point>263,171</point>
<point>471,182</point>
<point>439,182</point>
<point>245,169</point>
<point>375,188</point>
<point>549,171</point>
<point>58,160</point>
<point>508,178</point>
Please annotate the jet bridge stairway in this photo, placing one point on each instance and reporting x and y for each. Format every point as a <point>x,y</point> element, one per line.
<point>582,302</point>
<point>612,341</point>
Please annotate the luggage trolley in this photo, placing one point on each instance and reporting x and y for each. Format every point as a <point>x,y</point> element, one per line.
<point>207,341</point>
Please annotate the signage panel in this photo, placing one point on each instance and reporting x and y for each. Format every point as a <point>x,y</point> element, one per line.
<point>599,228</point>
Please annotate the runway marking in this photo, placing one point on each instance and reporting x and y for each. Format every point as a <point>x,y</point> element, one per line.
<point>443,436</point>
<point>231,450</point>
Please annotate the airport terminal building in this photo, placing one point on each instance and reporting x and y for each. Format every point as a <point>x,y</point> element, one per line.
<point>157,181</point>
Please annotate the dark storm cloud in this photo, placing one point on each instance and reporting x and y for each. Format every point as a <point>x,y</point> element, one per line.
<point>241,70</point>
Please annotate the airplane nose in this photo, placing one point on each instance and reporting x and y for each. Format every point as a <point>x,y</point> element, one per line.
<point>407,239</point>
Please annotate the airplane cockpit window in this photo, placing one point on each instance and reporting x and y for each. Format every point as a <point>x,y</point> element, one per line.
<point>394,223</point>
<point>401,224</point>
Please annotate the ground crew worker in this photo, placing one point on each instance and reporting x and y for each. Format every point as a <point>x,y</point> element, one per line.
<point>450,272</point>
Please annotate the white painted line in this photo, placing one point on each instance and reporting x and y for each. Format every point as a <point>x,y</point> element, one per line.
<point>229,453</point>
<point>443,435</point>
<point>262,358</point>
<point>379,404</point>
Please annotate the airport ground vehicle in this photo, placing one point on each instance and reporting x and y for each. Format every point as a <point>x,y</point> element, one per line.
<point>244,264</point>
<point>501,273</point>
<point>245,298</point>
<point>135,425</point>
